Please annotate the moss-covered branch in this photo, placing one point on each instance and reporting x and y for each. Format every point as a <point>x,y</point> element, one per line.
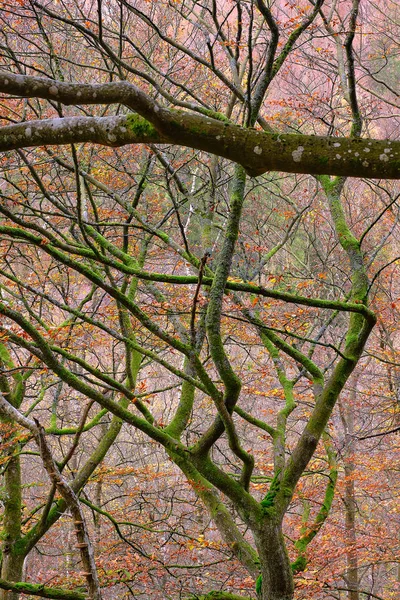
<point>254,421</point>
<point>310,531</point>
<point>218,596</point>
<point>359,329</point>
<point>193,279</point>
<point>35,589</point>
<point>221,516</point>
<point>256,151</point>
<point>44,352</point>
<point>232,383</point>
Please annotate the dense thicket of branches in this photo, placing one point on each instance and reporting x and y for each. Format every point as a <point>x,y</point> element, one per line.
<point>191,280</point>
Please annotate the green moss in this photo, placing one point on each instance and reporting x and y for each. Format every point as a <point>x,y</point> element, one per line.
<point>302,543</point>
<point>218,596</point>
<point>214,115</point>
<point>268,501</point>
<point>20,547</point>
<point>327,183</point>
<point>299,564</point>
<point>41,590</point>
<point>323,160</point>
<point>259,585</point>
<point>329,496</point>
<point>196,127</point>
<point>286,492</point>
<point>139,125</point>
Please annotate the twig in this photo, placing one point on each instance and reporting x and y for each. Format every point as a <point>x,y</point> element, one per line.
<point>195,299</point>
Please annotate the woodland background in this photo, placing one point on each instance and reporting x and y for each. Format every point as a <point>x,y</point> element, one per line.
<point>167,206</point>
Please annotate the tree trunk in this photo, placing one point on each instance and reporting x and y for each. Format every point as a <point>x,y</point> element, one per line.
<point>11,570</point>
<point>12,565</point>
<point>350,510</point>
<point>350,503</point>
<point>276,573</point>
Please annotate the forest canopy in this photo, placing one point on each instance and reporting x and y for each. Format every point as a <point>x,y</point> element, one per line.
<point>199,295</point>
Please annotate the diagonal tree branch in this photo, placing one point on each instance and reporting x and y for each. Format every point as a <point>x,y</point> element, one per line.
<point>84,544</point>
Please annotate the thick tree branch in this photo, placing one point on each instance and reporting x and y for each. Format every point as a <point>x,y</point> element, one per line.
<point>35,589</point>
<point>256,151</point>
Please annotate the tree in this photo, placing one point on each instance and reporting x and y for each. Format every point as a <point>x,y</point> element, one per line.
<point>72,217</point>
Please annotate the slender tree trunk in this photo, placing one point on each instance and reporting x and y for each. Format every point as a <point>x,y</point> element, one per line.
<point>13,562</point>
<point>350,517</point>
<point>347,415</point>
<point>277,578</point>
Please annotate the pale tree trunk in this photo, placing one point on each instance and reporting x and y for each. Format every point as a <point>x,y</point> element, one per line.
<point>70,558</point>
<point>347,417</point>
<point>393,379</point>
<point>350,518</point>
<point>98,495</point>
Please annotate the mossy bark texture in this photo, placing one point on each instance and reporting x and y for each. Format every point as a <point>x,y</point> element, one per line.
<point>41,591</point>
<point>276,582</point>
<point>256,151</point>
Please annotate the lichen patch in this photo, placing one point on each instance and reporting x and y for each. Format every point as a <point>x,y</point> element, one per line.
<point>296,154</point>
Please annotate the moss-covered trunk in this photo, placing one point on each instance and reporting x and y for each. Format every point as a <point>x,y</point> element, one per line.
<point>276,580</point>
<point>12,570</point>
<point>12,559</point>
